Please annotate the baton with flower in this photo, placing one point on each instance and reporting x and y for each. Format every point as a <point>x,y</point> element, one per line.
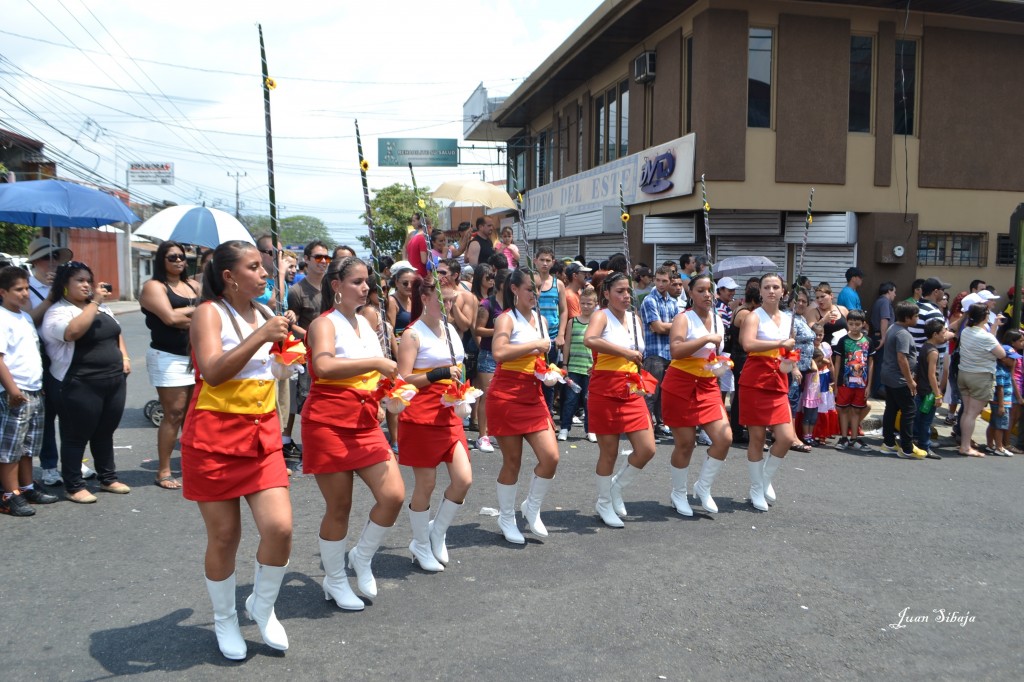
<point>460,397</point>
<point>364,166</point>
<point>642,382</point>
<point>634,309</point>
<point>706,207</point>
<point>289,358</point>
<point>395,396</point>
<point>807,229</point>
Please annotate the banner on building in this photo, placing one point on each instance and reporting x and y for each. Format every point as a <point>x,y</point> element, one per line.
<point>151,174</point>
<point>419,151</point>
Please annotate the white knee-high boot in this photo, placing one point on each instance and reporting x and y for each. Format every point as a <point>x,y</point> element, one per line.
<point>678,496</point>
<point>507,514</point>
<point>362,554</point>
<point>439,528</point>
<point>702,488</point>
<point>532,504</point>
<point>260,604</point>
<point>619,482</point>
<point>225,618</point>
<point>336,587</point>
<point>771,465</point>
<point>756,470</point>
<point>420,545</point>
<point>604,503</point>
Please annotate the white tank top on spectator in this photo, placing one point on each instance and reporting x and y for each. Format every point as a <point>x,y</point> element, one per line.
<point>695,329</point>
<point>433,350</point>
<point>622,335</point>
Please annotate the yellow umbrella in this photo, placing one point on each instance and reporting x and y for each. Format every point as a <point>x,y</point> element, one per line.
<point>474,191</point>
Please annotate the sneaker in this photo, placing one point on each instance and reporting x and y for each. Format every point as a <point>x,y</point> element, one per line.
<point>665,430</point>
<point>87,471</point>
<point>563,435</point>
<point>576,421</point>
<point>918,453</point>
<point>1003,452</point>
<point>703,438</point>
<point>52,477</point>
<point>844,443</point>
<point>292,450</point>
<point>592,437</point>
<point>16,505</point>
<point>889,450</point>
<point>36,496</point>
<point>861,445</point>
<point>483,444</point>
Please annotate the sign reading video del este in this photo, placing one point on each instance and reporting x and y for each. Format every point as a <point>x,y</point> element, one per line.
<point>660,172</point>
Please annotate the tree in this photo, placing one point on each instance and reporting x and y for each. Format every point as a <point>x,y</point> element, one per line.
<point>392,208</point>
<point>14,239</point>
<point>296,229</point>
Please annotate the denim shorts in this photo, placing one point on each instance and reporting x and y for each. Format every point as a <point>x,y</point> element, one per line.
<point>485,362</point>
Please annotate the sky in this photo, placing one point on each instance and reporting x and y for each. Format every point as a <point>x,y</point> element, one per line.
<point>107,82</point>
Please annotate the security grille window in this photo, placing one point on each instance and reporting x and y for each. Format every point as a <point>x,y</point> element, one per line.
<point>1005,253</point>
<point>599,131</point>
<point>519,154</point>
<point>906,82</point>
<point>623,118</point>
<point>611,124</point>
<point>860,84</point>
<point>958,249</point>
<point>540,152</point>
<point>759,78</point>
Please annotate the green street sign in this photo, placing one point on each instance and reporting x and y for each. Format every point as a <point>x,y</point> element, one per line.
<point>397,152</point>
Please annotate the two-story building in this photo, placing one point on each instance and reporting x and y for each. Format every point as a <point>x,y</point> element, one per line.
<point>903,116</point>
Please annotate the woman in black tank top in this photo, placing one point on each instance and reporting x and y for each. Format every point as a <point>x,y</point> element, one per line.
<point>167,302</point>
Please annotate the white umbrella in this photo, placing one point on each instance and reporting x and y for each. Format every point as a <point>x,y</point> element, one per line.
<point>197,225</point>
<point>474,191</point>
<point>744,265</point>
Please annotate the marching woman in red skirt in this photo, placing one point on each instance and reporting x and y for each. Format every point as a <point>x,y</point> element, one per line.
<point>615,406</point>
<point>516,410</point>
<point>430,433</point>
<point>341,436</point>
<point>766,336</point>
<point>231,442</point>
<point>693,397</point>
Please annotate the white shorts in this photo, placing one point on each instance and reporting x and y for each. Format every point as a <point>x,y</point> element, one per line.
<point>167,370</point>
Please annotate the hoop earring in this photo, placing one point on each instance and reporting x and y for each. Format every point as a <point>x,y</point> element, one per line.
<point>234,285</point>
<point>337,298</point>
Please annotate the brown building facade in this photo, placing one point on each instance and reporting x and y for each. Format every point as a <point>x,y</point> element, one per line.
<point>906,124</point>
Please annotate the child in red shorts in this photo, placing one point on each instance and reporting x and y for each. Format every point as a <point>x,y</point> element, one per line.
<point>850,356</point>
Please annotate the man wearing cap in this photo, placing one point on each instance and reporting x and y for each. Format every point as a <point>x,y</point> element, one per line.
<point>848,297</point>
<point>657,312</point>
<point>576,274</point>
<point>723,304</point>
<point>932,292</point>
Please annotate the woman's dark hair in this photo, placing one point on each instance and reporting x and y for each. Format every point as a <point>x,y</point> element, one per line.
<point>610,281</point>
<point>160,262</point>
<point>704,275</point>
<point>499,283</point>
<point>593,265</point>
<point>385,262</point>
<point>420,288</point>
<point>63,275</point>
<point>516,278</point>
<point>1011,336</point>
<point>798,292</point>
<point>770,275</point>
<point>479,273</point>
<point>977,314</point>
<point>338,269</point>
<point>617,263</point>
<point>225,257</point>
<point>752,294</point>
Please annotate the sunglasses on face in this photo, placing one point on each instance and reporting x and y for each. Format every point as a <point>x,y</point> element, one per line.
<point>443,273</point>
<point>322,258</point>
<point>407,285</point>
<point>269,252</point>
<point>174,258</point>
<point>488,279</point>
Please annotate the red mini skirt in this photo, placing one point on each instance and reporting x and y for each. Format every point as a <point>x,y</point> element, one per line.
<point>765,396</point>
<point>689,400</point>
<point>213,477</point>
<point>515,405</point>
<point>329,449</point>
<point>611,408</point>
<point>421,445</point>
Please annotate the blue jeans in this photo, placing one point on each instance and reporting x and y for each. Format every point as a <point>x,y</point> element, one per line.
<point>571,401</point>
<point>49,455</point>
<point>923,424</point>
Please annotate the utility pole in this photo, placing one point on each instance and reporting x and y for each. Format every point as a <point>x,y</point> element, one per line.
<point>238,203</point>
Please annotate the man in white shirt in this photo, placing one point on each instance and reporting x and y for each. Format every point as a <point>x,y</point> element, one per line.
<point>44,258</point>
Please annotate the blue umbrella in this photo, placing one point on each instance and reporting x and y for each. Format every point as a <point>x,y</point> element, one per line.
<point>55,203</point>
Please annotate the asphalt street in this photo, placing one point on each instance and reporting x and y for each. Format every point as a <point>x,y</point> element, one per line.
<point>867,567</point>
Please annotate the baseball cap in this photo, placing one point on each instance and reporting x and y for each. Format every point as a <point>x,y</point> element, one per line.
<point>576,266</point>
<point>931,284</point>
<point>1011,353</point>
<point>399,266</point>
<point>970,300</point>
<point>727,283</point>
<point>987,295</point>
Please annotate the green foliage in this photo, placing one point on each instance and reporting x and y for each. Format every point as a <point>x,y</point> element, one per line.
<point>296,229</point>
<point>392,208</point>
<point>14,239</point>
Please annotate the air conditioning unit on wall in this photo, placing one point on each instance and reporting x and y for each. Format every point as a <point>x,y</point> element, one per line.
<point>643,67</point>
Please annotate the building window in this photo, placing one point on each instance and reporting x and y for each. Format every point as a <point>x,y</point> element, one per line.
<point>1005,253</point>
<point>599,136</point>
<point>613,125</point>
<point>540,159</point>
<point>579,138</point>
<point>860,84</point>
<point>688,127</point>
<point>759,78</point>
<point>963,249</point>
<point>906,82</point>
<point>623,118</point>
<point>519,153</point>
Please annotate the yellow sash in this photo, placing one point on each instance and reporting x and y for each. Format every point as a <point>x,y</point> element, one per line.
<point>692,365</point>
<point>239,396</point>
<point>614,363</point>
<point>362,382</point>
<point>524,364</point>
<point>773,353</point>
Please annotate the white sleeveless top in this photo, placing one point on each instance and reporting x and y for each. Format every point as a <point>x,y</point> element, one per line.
<point>258,366</point>
<point>622,335</point>
<point>767,330</point>
<point>695,329</point>
<point>433,350</point>
<point>523,330</point>
<point>348,344</point>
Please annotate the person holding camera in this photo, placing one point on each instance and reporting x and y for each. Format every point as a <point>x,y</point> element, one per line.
<point>89,358</point>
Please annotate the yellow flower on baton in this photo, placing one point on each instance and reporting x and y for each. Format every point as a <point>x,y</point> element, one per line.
<point>625,217</point>
<point>707,206</point>
<point>810,219</point>
<point>270,83</point>
<point>364,165</point>
<point>422,203</point>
